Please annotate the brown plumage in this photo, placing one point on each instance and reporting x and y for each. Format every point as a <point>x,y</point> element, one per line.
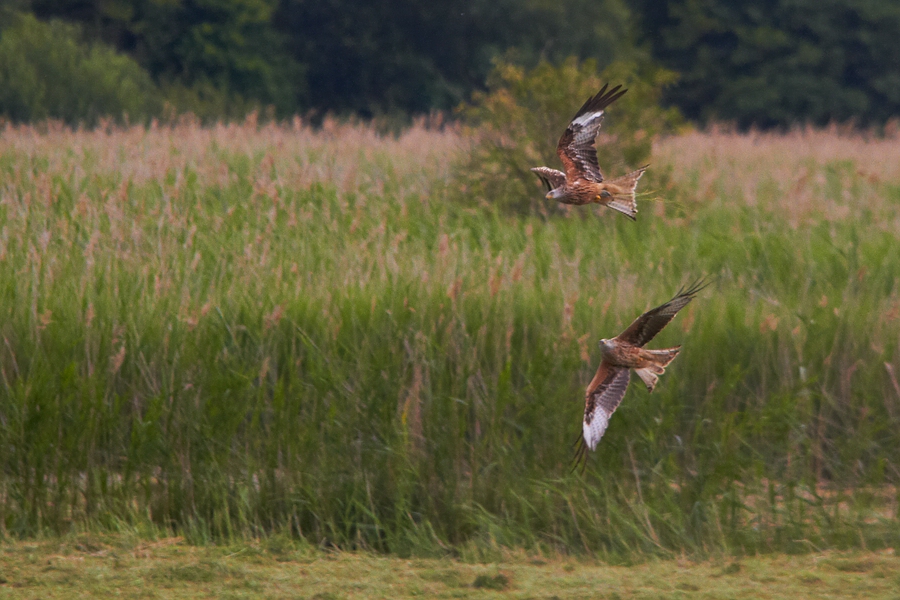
<point>619,356</point>
<point>581,181</point>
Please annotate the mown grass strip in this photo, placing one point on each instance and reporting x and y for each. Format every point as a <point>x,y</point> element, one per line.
<point>75,566</point>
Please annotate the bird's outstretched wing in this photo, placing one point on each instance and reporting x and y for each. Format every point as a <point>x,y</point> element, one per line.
<point>603,396</point>
<point>551,177</point>
<point>646,326</point>
<point>576,147</point>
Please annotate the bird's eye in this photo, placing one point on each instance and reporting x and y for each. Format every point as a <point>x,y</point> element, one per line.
<point>605,194</point>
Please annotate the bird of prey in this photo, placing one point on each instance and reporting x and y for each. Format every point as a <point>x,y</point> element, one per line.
<point>619,356</point>
<point>582,182</point>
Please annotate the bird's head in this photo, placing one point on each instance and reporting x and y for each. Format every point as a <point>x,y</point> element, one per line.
<point>555,194</point>
<point>605,345</point>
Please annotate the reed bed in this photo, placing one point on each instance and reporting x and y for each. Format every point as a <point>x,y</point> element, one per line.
<point>252,329</point>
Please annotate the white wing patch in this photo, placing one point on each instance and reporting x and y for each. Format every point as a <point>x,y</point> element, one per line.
<point>605,402</point>
<point>581,149</point>
<point>586,118</point>
<point>596,427</point>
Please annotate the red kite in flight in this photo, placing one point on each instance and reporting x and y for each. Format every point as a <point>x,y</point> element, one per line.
<point>619,356</point>
<point>582,182</point>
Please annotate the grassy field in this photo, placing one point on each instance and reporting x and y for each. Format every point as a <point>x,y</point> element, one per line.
<point>98,566</point>
<point>249,330</point>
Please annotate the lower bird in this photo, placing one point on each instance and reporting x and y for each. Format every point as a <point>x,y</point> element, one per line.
<point>619,356</point>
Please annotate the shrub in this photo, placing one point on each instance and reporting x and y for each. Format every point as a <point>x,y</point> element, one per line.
<point>522,114</point>
<point>46,71</point>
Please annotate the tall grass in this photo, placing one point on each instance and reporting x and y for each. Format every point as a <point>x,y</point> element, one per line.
<point>240,330</point>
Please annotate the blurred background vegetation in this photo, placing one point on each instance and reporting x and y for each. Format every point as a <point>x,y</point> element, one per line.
<point>762,64</point>
<point>252,329</point>
<point>381,341</point>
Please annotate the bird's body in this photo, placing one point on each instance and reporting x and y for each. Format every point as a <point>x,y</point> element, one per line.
<point>622,354</point>
<point>648,364</point>
<point>581,182</point>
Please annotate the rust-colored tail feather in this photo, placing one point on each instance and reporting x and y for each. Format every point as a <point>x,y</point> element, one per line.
<point>624,201</point>
<point>661,359</point>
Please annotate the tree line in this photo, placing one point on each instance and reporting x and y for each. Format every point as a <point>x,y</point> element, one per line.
<point>769,63</point>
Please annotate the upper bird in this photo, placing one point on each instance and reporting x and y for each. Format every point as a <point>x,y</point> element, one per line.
<point>582,182</point>
<point>621,354</point>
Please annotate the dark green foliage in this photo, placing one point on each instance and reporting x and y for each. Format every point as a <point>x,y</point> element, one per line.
<point>46,71</point>
<point>763,64</point>
<point>229,46</point>
<point>375,57</point>
<point>220,57</point>
<point>778,63</point>
<point>522,115</point>
<point>215,58</point>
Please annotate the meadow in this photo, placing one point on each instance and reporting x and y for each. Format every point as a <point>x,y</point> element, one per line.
<point>246,331</point>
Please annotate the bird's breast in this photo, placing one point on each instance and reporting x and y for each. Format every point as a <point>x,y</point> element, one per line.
<point>583,192</point>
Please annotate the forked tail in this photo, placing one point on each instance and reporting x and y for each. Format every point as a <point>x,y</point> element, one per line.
<point>660,359</point>
<point>623,193</point>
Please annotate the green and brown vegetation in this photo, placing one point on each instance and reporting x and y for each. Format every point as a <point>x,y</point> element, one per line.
<point>242,330</point>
